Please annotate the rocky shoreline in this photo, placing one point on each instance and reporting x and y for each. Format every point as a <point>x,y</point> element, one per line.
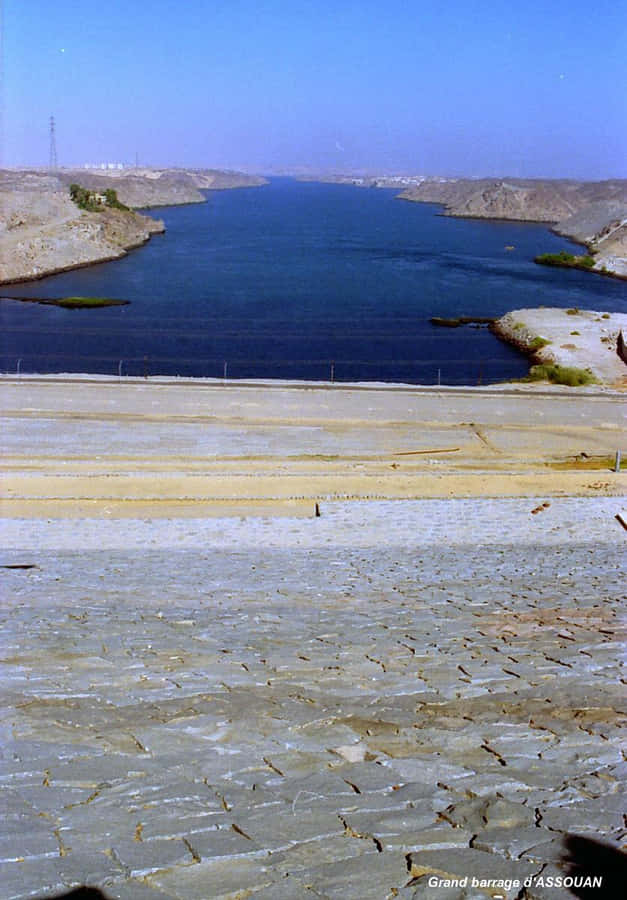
<point>577,339</point>
<point>43,232</point>
<point>71,241</point>
<point>590,213</point>
<point>593,214</point>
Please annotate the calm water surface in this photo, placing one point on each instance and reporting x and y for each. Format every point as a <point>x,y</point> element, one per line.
<point>280,281</point>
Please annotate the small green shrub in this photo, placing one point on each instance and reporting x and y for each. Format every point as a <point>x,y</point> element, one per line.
<point>574,332</point>
<point>538,342</point>
<point>572,312</point>
<point>567,375</point>
<point>111,199</point>
<point>518,325</point>
<point>605,316</point>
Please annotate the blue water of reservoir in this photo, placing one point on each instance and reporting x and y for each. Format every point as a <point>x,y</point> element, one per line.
<point>286,280</point>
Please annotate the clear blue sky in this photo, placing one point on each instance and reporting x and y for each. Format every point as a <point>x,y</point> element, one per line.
<point>477,88</point>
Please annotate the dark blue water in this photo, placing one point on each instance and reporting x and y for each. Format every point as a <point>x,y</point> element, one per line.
<point>281,280</point>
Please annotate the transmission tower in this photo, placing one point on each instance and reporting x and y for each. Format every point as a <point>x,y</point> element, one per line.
<point>52,162</point>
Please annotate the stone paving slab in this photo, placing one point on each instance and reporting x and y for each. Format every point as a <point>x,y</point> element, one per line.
<point>325,708</point>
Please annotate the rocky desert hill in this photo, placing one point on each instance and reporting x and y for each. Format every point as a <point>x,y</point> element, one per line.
<point>42,231</point>
<point>145,188</point>
<point>602,226</point>
<point>591,213</point>
<point>517,199</point>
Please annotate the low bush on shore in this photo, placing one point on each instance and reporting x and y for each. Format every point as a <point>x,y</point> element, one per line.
<point>567,375</point>
<point>567,260</point>
<point>538,342</point>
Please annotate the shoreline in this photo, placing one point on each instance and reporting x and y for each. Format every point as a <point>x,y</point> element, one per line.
<point>445,211</point>
<point>81,265</point>
<point>583,343</point>
<point>607,273</point>
<point>499,388</point>
<point>80,239</point>
<point>86,265</point>
<point>596,221</point>
<point>581,340</point>
<point>550,225</point>
<point>44,233</point>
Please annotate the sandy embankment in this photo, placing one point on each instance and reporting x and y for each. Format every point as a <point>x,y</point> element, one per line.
<point>99,447</point>
<point>581,338</point>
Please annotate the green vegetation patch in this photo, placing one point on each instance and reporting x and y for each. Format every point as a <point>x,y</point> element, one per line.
<point>567,375</point>
<point>538,342</point>
<point>567,261</point>
<point>111,199</point>
<point>94,201</point>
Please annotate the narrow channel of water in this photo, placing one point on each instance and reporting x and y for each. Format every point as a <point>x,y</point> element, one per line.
<point>299,280</point>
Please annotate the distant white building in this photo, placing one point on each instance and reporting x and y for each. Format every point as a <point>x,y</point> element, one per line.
<point>108,166</point>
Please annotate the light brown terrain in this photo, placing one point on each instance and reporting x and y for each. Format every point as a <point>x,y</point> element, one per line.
<point>150,187</point>
<point>522,199</point>
<point>214,447</point>
<point>42,231</point>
